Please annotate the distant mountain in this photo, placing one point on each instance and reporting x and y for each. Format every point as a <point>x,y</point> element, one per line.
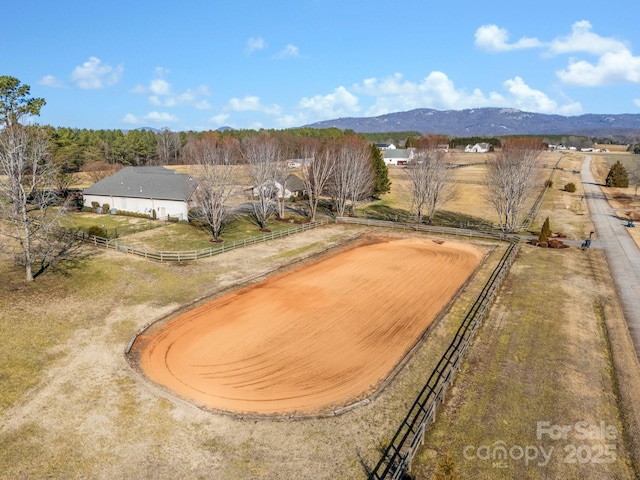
<point>489,122</point>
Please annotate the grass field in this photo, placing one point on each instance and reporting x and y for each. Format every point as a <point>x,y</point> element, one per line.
<point>543,355</point>
<point>553,349</point>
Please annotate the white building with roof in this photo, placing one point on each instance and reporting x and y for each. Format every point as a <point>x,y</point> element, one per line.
<point>145,190</point>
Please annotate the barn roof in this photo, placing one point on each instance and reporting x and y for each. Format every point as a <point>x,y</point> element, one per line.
<point>145,182</point>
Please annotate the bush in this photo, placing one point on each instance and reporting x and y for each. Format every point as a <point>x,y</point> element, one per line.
<point>105,208</point>
<point>545,231</point>
<point>548,183</point>
<point>97,231</point>
<point>570,187</point>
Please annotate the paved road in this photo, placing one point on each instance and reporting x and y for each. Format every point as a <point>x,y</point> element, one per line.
<point>623,255</point>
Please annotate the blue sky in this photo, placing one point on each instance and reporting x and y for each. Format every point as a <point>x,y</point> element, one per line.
<point>199,65</point>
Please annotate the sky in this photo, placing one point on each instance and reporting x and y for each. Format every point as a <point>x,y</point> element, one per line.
<point>275,64</point>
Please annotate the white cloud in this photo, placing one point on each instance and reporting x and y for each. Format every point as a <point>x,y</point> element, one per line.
<point>615,64</point>
<point>340,103</point>
<point>161,94</point>
<point>611,68</point>
<point>492,38</point>
<point>528,99</point>
<point>151,117</point>
<point>51,81</point>
<point>582,39</point>
<point>290,51</point>
<point>159,86</point>
<point>93,74</point>
<point>254,44</point>
<point>637,102</point>
<point>435,91</point>
<point>438,91</point>
<point>251,103</point>
<point>220,120</point>
<point>248,103</point>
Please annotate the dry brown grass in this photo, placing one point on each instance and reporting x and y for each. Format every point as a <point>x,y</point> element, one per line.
<point>544,355</point>
<point>72,407</point>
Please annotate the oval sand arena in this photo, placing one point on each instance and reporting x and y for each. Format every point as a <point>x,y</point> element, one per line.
<point>311,339</point>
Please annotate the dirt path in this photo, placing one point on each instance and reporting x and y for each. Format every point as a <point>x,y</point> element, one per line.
<point>313,339</point>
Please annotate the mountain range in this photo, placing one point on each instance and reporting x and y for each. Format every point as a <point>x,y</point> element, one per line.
<point>490,122</point>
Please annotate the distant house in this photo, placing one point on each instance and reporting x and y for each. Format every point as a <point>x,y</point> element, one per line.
<point>386,146</point>
<point>443,147</point>
<point>295,185</point>
<point>276,188</point>
<point>145,190</point>
<point>398,157</point>
<point>299,162</point>
<point>477,148</point>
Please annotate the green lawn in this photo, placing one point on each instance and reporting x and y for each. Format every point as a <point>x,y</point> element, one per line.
<point>167,236</point>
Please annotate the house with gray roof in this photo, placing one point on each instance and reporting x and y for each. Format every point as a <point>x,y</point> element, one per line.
<point>145,190</point>
<point>398,157</point>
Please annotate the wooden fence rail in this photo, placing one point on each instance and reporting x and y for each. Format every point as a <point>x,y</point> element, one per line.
<point>189,255</point>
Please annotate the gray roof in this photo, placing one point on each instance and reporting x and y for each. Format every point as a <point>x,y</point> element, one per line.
<point>294,183</point>
<point>397,153</point>
<point>145,182</point>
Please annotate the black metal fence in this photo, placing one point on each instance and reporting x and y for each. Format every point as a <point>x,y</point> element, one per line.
<point>398,455</point>
<point>419,227</point>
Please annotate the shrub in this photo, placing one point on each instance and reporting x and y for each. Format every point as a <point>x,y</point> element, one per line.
<point>95,205</point>
<point>545,231</point>
<point>105,208</point>
<point>97,231</point>
<point>548,183</point>
<point>570,187</point>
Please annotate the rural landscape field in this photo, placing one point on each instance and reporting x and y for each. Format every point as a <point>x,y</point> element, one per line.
<point>553,350</point>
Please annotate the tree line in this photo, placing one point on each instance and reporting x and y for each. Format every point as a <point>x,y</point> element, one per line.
<point>340,166</point>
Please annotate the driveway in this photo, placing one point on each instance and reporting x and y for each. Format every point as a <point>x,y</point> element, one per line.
<point>623,255</point>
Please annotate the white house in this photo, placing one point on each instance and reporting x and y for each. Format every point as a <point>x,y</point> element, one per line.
<point>398,157</point>
<point>276,190</point>
<point>386,146</point>
<point>145,190</point>
<point>477,148</point>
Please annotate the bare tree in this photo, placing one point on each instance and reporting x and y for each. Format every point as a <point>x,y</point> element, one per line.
<point>27,190</point>
<point>262,154</point>
<point>168,147</point>
<point>97,170</point>
<point>634,177</point>
<point>317,168</point>
<point>353,176</point>
<point>281,172</point>
<point>430,182</point>
<point>216,183</point>
<point>512,177</point>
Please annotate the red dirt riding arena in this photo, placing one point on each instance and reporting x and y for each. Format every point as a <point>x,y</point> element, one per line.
<point>312,339</point>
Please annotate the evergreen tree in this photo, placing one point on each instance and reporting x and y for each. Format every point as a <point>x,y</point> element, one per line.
<point>545,232</point>
<point>618,176</point>
<point>382,184</point>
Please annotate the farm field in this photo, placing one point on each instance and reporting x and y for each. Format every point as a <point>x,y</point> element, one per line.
<point>553,348</point>
<point>314,339</point>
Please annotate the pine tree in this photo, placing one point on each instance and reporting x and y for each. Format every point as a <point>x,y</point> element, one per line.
<point>545,232</point>
<point>618,176</point>
<point>382,184</point>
